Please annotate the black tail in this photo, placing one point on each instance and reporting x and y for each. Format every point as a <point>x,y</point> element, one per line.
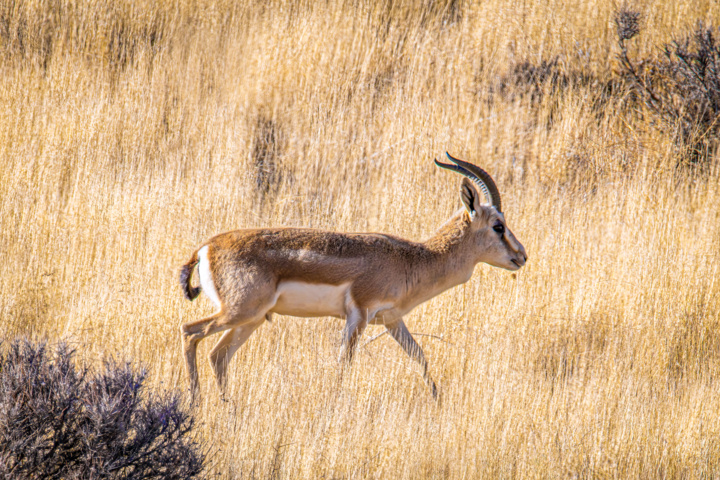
<point>190,292</point>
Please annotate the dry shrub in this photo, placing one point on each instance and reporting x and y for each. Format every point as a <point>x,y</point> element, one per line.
<point>266,155</point>
<point>681,90</point>
<point>535,80</point>
<point>61,421</point>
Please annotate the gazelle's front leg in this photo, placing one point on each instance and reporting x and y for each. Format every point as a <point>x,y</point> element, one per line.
<point>354,327</point>
<point>402,336</point>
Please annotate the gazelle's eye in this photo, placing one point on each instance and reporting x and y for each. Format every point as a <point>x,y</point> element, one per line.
<point>499,228</point>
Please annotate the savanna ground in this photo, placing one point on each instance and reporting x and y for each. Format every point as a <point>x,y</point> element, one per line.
<point>132,131</point>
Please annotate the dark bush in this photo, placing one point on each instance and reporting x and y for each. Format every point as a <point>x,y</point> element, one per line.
<point>62,421</point>
<point>535,80</point>
<point>681,90</point>
<point>266,153</point>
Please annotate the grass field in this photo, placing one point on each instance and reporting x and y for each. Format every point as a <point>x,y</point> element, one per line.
<point>132,131</point>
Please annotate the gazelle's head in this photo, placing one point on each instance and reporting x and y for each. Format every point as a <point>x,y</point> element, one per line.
<point>494,243</point>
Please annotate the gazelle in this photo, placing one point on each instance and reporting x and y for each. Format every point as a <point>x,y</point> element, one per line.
<point>362,277</point>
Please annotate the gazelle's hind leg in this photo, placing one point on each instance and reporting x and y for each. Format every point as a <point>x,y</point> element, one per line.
<point>247,309</point>
<point>402,336</point>
<point>191,334</point>
<point>229,343</point>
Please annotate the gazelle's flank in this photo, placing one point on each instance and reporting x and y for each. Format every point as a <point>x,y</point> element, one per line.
<point>364,278</point>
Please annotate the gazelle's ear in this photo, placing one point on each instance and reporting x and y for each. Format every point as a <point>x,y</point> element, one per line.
<point>470,197</point>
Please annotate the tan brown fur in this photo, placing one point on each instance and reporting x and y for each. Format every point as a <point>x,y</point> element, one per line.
<point>380,277</point>
<point>338,257</point>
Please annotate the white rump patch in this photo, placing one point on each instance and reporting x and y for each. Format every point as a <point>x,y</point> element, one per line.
<point>206,281</point>
<point>301,299</point>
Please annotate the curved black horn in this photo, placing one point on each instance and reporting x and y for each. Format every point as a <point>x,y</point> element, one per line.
<point>481,178</point>
<point>463,171</point>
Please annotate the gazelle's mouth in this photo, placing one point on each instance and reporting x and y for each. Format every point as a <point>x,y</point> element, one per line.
<point>517,264</point>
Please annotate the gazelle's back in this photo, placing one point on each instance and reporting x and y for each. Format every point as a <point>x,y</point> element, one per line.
<point>297,254</point>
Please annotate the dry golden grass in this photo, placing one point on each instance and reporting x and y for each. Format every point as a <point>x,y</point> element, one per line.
<point>132,131</point>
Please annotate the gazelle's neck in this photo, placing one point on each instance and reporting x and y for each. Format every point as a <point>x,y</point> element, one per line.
<point>451,237</point>
<point>449,263</point>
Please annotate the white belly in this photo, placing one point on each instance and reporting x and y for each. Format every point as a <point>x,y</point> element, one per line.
<point>300,299</point>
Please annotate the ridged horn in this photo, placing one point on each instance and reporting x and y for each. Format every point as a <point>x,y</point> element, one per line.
<point>481,178</point>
